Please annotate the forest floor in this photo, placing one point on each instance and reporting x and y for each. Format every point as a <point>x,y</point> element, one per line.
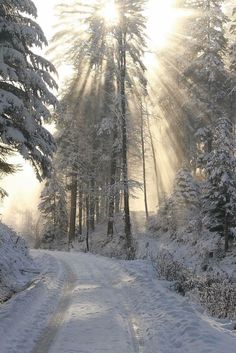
<point>84,303</point>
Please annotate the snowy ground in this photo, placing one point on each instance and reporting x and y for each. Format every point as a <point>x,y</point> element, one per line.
<point>88,304</point>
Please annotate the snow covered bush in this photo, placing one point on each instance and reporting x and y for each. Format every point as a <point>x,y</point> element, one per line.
<point>218,296</point>
<point>16,266</point>
<point>216,293</point>
<point>168,268</point>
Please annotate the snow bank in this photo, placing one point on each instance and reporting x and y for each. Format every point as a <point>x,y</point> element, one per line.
<point>196,266</point>
<point>17,269</point>
<point>24,318</point>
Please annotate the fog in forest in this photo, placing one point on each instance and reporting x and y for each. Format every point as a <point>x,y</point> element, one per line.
<point>20,208</point>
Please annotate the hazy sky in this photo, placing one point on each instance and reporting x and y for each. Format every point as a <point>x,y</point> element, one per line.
<point>46,15</point>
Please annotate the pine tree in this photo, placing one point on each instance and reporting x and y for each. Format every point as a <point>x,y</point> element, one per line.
<point>207,78</point>
<point>233,42</point>
<point>203,140</point>
<point>166,217</point>
<point>232,57</point>
<point>84,146</point>
<point>70,159</point>
<point>186,191</point>
<point>53,208</point>
<point>5,167</point>
<point>185,197</point>
<point>219,199</point>
<point>25,83</point>
<point>92,49</point>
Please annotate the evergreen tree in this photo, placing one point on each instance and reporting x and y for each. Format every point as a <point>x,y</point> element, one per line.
<point>84,148</point>
<point>185,197</point>
<point>166,217</point>
<point>5,167</point>
<point>219,198</point>
<point>206,76</point>
<point>233,42</point>
<point>25,80</point>
<point>232,57</point>
<point>53,208</point>
<point>203,140</point>
<point>196,79</point>
<point>121,43</point>
<point>186,191</point>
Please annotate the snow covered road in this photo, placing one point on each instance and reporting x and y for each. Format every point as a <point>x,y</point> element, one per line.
<point>90,304</point>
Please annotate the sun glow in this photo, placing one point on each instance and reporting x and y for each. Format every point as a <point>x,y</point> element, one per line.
<point>161,18</point>
<point>110,13</point>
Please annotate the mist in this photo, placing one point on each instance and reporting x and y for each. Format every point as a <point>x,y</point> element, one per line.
<point>19,209</point>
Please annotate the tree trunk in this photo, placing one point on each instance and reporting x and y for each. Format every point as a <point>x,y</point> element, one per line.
<point>117,202</point>
<point>159,186</point>
<point>92,204</point>
<point>97,206</point>
<point>122,58</point>
<point>111,201</point>
<point>80,209</point>
<point>103,202</point>
<point>106,198</point>
<point>54,217</point>
<point>144,165</point>
<point>118,192</point>
<point>226,233</point>
<point>87,222</point>
<point>73,202</point>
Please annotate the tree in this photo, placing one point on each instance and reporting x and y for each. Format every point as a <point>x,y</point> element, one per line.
<point>53,208</point>
<point>70,144</point>
<point>186,191</point>
<point>90,52</point>
<point>219,198</point>
<point>143,153</point>
<point>129,30</point>
<point>185,197</point>
<point>25,83</point>
<point>83,148</point>
<point>207,78</point>
<point>232,54</point>
<point>5,167</point>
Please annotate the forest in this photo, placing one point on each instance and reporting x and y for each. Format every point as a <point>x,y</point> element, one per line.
<point>111,106</point>
<point>139,161</point>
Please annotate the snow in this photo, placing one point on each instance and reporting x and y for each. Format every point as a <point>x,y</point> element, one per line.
<point>85,303</point>
<point>23,318</point>
<point>195,264</point>
<point>17,269</point>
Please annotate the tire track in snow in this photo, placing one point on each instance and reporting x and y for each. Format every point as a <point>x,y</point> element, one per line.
<point>133,326</point>
<point>98,318</point>
<point>24,317</point>
<point>48,335</point>
<point>136,332</point>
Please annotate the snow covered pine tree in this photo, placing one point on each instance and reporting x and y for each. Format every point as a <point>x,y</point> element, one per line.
<point>185,198</point>
<point>219,199</point>
<point>53,208</point>
<point>25,80</point>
